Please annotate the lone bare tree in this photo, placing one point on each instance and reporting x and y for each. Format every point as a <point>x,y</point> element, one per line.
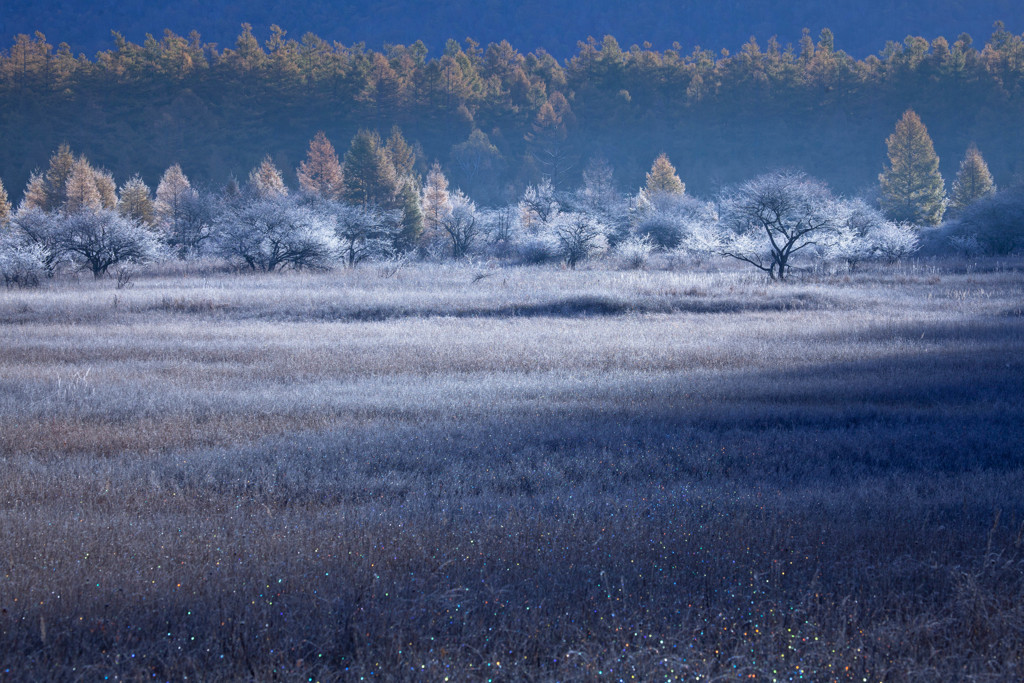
<point>771,218</point>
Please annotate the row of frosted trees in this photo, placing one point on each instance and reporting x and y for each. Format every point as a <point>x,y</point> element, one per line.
<point>372,205</point>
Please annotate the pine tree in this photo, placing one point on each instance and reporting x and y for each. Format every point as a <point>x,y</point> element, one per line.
<point>5,206</point>
<point>436,199</point>
<point>973,181</point>
<point>412,217</point>
<point>81,190</point>
<point>266,181</point>
<point>911,185</point>
<point>136,203</point>
<point>663,179</point>
<point>320,174</point>
<point>370,176</point>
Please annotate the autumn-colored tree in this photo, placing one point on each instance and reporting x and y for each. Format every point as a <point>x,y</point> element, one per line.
<point>106,187</point>
<point>35,196</point>
<point>321,174</point>
<point>265,180</point>
<point>370,176</point>
<point>400,153</point>
<point>436,201</point>
<point>973,181</point>
<point>662,178</point>
<point>81,190</point>
<point>171,194</point>
<point>135,202</point>
<point>5,206</point>
<point>911,185</point>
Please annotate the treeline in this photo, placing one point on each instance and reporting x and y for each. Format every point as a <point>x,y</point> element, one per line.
<point>373,205</point>
<point>498,120</point>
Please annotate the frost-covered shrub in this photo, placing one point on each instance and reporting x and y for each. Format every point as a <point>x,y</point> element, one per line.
<point>22,263</point>
<point>996,222</point>
<point>893,241</point>
<point>97,240</point>
<point>577,237</point>
<point>634,252</point>
<point>669,218</point>
<point>276,234</point>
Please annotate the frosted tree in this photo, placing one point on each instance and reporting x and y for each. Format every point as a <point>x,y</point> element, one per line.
<point>265,180</point>
<point>973,181</point>
<point>662,178</point>
<point>135,202</point>
<point>578,236</point>
<point>770,219</point>
<point>539,205</point>
<point>365,232</point>
<point>911,185</point>
<point>97,240</point>
<point>276,234</point>
<point>461,225</point>
<point>320,174</point>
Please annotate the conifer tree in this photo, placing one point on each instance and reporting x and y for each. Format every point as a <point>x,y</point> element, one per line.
<point>911,185</point>
<point>35,196</point>
<point>412,217</point>
<point>266,181</point>
<point>136,203</point>
<point>436,199</point>
<point>973,181</point>
<point>5,206</point>
<point>171,194</point>
<point>62,163</point>
<point>662,178</point>
<point>400,153</point>
<point>81,190</point>
<point>369,175</point>
<point>320,173</point>
<point>106,188</point>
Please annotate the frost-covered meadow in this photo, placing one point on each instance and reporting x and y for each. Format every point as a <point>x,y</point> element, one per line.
<point>515,473</point>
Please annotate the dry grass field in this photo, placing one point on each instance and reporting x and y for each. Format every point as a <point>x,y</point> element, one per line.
<point>515,474</point>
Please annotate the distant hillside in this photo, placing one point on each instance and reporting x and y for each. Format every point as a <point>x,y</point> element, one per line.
<point>555,25</point>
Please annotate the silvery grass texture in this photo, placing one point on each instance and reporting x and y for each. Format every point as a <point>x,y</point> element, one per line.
<point>515,474</point>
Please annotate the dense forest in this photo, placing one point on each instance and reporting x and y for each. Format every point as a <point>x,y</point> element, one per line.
<point>555,25</point>
<point>497,119</point>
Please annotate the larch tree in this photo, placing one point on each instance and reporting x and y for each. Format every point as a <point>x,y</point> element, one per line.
<point>136,203</point>
<point>35,196</point>
<point>320,174</point>
<point>973,181</point>
<point>662,178</point>
<point>400,153</point>
<point>5,206</point>
<point>911,185</point>
<point>436,204</point>
<point>81,190</point>
<point>265,180</point>
<point>106,187</point>
<point>171,194</point>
